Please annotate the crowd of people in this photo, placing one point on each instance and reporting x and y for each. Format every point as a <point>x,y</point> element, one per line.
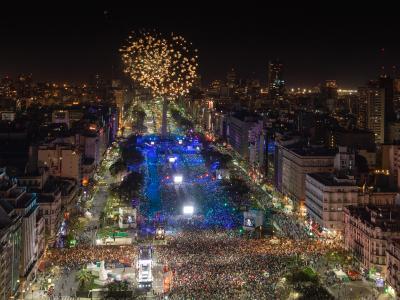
<point>289,227</point>
<point>207,257</point>
<point>199,188</point>
<point>218,264</point>
<point>80,256</point>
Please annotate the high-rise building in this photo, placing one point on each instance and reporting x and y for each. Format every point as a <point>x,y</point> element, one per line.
<point>387,85</point>
<point>244,128</point>
<point>10,250</point>
<point>329,95</point>
<point>215,87</point>
<point>326,195</point>
<point>231,79</point>
<point>376,109</point>
<point>119,103</point>
<point>299,161</point>
<point>197,82</point>
<point>281,144</point>
<point>362,115</point>
<point>276,84</point>
<point>25,205</point>
<point>372,110</point>
<point>396,94</point>
<point>391,161</point>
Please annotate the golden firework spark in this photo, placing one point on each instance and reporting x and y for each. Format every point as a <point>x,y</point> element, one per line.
<point>167,65</point>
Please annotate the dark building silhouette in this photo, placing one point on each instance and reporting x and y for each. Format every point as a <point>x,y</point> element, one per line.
<point>276,84</point>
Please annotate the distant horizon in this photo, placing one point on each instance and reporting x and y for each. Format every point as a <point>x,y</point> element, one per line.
<point>263,84</point>
<point>72,44</point>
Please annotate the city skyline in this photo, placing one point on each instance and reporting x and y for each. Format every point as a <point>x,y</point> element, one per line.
<point>74,44</point>
<point>273,175</point>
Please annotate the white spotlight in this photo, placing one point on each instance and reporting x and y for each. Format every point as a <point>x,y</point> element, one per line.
<point>188,210</point>
<point>178,179</point>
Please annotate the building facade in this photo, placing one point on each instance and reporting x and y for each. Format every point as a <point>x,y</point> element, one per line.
<point>393,264</point>
<point>276,84</point>
<point>63,160</point>
<point>50,210</point>
<point>10,250</point>
<point>367,230</point>
<point>242,127</point>
<point>25,205</point>
<point>326,197</point>
<point>296,163</point>
<point>372,111</point>
<point>391,161</point>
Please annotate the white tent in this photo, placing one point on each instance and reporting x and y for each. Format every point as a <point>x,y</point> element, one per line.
<point>340,274</point>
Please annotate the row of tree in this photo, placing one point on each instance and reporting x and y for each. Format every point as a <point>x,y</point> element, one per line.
<point>130,155</point>
<point>129,188</point>
<point>180,119</point>
<point>132,183</point>
<point>212,156</point>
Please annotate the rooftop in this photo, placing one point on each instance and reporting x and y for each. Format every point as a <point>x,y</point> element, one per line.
<point>52,185</point>
<point>5,220</point>
<point>88,161</point>
<point>6,206</point>
<point>353,130</point>
<point>313,151</point>
<point>5,185</point>
<point>330,179</point>
<point>45,198</point>
<point>385,217</point>
<point>246,116</point>
<point>26,200</point>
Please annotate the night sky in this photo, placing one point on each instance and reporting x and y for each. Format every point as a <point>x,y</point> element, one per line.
<point>71,43</point>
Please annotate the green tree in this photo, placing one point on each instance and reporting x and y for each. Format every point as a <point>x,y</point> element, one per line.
<point>75,225</point>
<point>130,155</point>
<point>69,238</point>
<point>138,116</point>
<point>130,187</point>
<point>117,167</point>
<point>124,286</point>
<point>236,187</point>
<point>85,277</point>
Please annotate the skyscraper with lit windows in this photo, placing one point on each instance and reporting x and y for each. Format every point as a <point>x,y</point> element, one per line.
<point>375,111</point>
<point>276,84</point>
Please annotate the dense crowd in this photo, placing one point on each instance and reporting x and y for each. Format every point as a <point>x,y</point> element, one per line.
<point>82,255</point>
<point>289,227</point>
<point>199,188</point>
<point>220,265</point>
<point>207,258</point>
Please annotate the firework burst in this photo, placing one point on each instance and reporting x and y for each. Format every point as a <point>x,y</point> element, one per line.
<point>167,65</point>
